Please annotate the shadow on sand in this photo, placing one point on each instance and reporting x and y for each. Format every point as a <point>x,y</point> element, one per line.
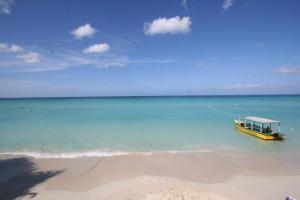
<point>18,176</point>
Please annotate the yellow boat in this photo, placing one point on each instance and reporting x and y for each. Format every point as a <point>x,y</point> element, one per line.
<point>260,127</point>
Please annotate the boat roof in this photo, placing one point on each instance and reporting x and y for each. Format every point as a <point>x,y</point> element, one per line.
<point>261,120</point>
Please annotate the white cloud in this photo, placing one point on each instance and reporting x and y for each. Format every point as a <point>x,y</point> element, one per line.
<point>227,4</point>
<point>83,31</point>
<point>30,57</point>
<point>175,25</point>
<point>97,48</point>
<point>60,61</point>
<point>207,63</point>
<point>63,59</point>
<point>243,86</point>
<point>184,4</point>
<point>26,56</point>
<point>10,48</point>
<point>288,69</point>
<point>5,6</point>
<point>146,61</point>
<point>15,48</point>
<point>20,52</point>
<point>107,63</point>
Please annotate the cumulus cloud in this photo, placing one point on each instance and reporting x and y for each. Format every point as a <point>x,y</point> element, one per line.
<point>227,4</point>
<point>30,57</point>
<point>288,70</point>
<point>18,51</point>
<point>5,6</point>
<point>175,25</point>
<point>83,31</point>
<point>97,48</point>
<point>10,48</point>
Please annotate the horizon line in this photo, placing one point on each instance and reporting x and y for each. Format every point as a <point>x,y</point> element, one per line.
<point>149,96</point>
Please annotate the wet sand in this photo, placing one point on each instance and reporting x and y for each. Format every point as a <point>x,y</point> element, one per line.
<point>201,175</point>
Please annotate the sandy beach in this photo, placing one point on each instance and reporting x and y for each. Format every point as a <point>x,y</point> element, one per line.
<point>201,175</point>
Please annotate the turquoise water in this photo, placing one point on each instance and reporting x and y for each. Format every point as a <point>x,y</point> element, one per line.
<point>131,124</point>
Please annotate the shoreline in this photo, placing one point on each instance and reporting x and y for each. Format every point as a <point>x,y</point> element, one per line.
<point>211,175</point>
<point>45,154</point>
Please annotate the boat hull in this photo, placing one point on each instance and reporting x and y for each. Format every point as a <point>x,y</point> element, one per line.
<point>257,134</point>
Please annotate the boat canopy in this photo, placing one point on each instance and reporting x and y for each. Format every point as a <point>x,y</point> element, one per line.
<point>261,120</point>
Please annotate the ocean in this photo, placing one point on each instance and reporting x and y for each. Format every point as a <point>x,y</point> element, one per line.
<point>72,127</point>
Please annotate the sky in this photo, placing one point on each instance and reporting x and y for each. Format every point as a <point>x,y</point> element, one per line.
<point>60,48</point>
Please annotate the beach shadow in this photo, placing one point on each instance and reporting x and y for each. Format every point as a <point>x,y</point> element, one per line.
<point>19,175</point>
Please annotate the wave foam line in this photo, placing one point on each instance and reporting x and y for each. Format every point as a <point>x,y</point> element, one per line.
<point>36,154</point>
<point>65,155</point>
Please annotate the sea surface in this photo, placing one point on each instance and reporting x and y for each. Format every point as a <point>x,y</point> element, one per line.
<point>71,127</point>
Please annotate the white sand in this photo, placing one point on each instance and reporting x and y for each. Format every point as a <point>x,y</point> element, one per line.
<point>161,176</point>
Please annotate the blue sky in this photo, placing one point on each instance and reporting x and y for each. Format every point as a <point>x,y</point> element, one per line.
<point>139,47</point>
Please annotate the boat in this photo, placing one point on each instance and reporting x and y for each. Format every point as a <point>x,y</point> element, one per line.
<point>263,128</point>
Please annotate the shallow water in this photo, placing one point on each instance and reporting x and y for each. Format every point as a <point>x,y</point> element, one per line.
<point>131,124</point>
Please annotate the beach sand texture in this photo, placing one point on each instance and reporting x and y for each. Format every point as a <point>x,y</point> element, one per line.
<point>159,176</point>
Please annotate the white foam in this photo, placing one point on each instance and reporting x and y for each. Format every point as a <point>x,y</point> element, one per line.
<point>43,154</point>
<point>36,154</point>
